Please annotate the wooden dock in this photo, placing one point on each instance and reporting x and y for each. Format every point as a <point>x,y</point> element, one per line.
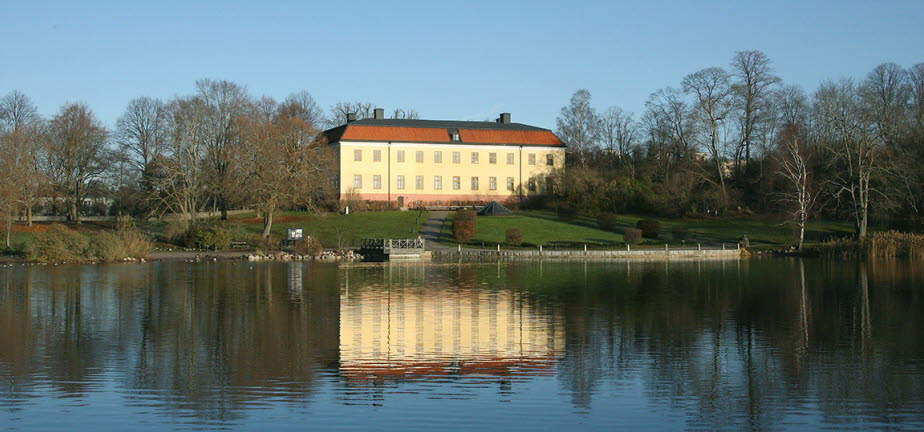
<point>388,249</point>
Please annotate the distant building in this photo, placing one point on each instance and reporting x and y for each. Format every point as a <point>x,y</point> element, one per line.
<point>442,162</point>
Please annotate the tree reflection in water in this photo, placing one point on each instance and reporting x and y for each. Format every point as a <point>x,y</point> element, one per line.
<point>753,344</point>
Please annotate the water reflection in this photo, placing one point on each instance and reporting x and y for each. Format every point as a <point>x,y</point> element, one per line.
<point>760,344</point>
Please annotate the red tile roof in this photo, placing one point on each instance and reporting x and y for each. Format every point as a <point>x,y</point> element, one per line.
<point>359,132</point>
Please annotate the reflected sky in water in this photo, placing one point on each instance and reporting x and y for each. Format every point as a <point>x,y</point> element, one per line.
<point>763,344</point>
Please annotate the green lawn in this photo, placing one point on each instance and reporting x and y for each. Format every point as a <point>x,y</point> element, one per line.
<point>335,229</point>
<point>542,227</point>
<point>536,228</point>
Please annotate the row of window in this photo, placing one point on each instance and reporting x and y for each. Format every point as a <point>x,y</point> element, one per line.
<point>438,182</point>
<point>456,157</point>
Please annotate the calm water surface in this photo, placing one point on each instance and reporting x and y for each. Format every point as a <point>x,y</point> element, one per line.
<point>765,344</point>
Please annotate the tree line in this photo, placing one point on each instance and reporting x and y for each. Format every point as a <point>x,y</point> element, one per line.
<point>740,140</point>
<point>216,149</point>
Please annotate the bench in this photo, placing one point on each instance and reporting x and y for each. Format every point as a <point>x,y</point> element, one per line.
<point>238,245</point>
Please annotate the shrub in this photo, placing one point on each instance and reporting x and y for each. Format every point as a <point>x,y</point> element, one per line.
<point>514,236</point>
<point>308,245</point>
<point>208,238</point>
<point>175,231</point>
<point>607,221</point>
<point>650,228</point>
<point>462,230</point>
<point>59,244</point>
<point>136,244</point>
<point>107,246</point>
<point>466,215</point>
<point>464,225</point>
<point>632,235</point>
<point>679,233</point>
<point>567,211</point>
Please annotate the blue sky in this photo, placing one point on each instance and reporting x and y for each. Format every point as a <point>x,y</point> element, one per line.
<point>459,60</point>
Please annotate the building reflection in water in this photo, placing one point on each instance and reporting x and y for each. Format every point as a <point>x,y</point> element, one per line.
<point>412,328</point>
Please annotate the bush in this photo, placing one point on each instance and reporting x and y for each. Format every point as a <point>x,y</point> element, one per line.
<point>136,244</point>
<point>632,235</point>
<point>59,244</point>
<point>567,211</point>
<point>650,228</point>
<point>213,238</point>
<point>466,215</point>
<point>462,230</point>
<point>514,236</point>
<point>175,231</point>
<point>464,225</point>
<point>607,221</point>
<point>308,246</point>
<point>107,246</point>
<point>679,233</point>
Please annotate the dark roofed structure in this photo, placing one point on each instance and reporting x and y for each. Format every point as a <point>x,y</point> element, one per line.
<point>494,208</point>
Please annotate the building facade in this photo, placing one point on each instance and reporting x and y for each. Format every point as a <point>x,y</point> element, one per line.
<point>442,162</point>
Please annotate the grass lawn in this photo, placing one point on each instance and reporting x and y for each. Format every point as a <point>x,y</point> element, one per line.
<point>544,227</point>
<point>536,229</point>
<point>336,230</point>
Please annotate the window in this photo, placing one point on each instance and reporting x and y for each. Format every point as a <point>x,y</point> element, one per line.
<point>419,182</point>
<point>419,156</point>
<point>438,182</point>
<point>532,158</point>
<point>358,181</point>
<point>492,158</point>
<point>400,156</point>
<point>456,157</point>
<point>492,183</point>
<point>454,135</point>
<point>400,182</point>
<point>474,183</point>
<point>438,157</point>
<point>357,155</point>
<point>509,158</point>
<point>532,184</point>
<point>376,182</point>
<point>456,183</point>
<point>474,157</point>
<point>510,183</point>
<point>550,159</point>
<point>376,155</point>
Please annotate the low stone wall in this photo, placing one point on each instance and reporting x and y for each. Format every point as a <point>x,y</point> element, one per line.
<point>593,254</point>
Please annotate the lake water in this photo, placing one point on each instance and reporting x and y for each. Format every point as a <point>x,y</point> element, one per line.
<point>762,344</point>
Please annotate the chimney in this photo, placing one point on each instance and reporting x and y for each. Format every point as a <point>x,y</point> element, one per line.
<point>351,117</point>
<point>379,114</point>
<point>504,118</point>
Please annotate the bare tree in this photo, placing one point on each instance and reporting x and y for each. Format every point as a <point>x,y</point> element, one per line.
<point>339,111</point>
<point>618,132</point>
<point>752,91</point>
<point>180,178</point>
<point>283,164</point>
<point>141,133</point>
<point>405,114</point>
<point>854,146</point>
<point>793,157</point>
<point>712,104</point>
<point>225,104</point>
<point>77,153</point>
<point>916,81</point>
<point>578,126</point>
<point>21,129</point>
<point>306,108</point>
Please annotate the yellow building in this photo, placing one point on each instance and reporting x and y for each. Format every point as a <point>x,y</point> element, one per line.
<point>442,162</point>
